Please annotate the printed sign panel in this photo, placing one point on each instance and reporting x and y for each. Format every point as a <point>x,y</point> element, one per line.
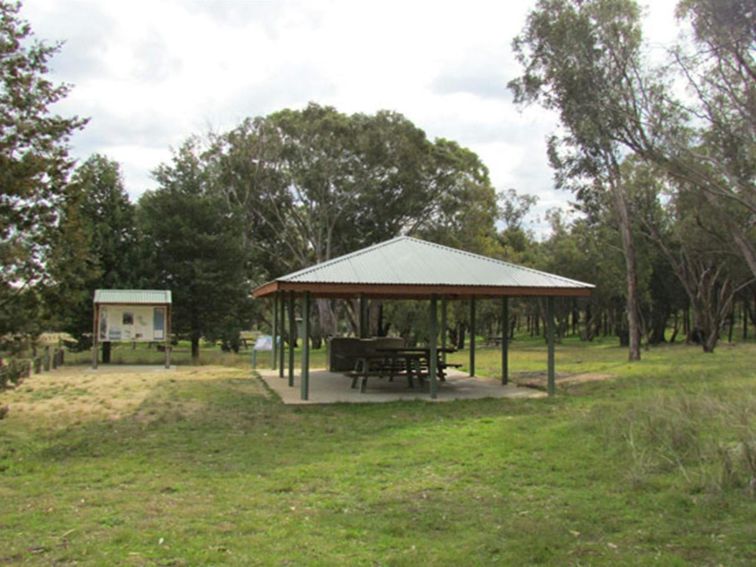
<point>264,342</point>
<point>140,323</point>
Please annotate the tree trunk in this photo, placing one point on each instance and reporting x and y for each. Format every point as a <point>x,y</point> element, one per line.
<point>351,310</point>
<point>384,328</point>
<point>588,332</point>
<point>710,342</point>
<point>658,324</point>
<point>326,317</point>
<point>631,269</point>
<point>745,319</point>
<point>575,317</point>
<point>195,349</point>
<point>461,336</point>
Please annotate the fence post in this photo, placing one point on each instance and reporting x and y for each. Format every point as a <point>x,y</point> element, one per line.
<point>47,359</point>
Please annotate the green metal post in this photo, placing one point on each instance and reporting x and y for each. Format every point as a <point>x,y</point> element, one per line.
<point>282,333</point>
<point>504,340</point>
<point>472,336</point>
<point>274,351</point>
<point>443,329</point>
<point>305,391</point>
<point>550,339</point>
<point>363,317</point>
<point>292,337</point>
<point>433,341</point>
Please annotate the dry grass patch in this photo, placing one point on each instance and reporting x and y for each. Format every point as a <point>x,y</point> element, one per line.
<point>75,395</point>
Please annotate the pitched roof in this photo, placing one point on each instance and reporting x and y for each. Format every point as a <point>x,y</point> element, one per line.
<point>406,261</point>
<point>133,296</point>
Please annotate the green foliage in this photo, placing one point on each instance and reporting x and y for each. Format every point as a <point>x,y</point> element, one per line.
<point>12,371</point>
<point>318,183</point>
<point>196,249</point>
<point>34,160</point>
<point>309,185</point>
<point>95,246</point>
<point>580,59</point>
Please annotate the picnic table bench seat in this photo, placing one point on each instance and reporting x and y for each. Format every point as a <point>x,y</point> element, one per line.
<point>379,366</point>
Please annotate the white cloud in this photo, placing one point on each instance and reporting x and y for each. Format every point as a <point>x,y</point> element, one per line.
<point>149,73</point>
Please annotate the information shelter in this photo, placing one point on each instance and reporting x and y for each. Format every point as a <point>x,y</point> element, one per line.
<point>132,315</point>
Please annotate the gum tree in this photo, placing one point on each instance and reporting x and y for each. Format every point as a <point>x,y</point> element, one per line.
<point>576,57</point>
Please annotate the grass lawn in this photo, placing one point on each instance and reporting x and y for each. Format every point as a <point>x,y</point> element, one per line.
<point>200,465</point>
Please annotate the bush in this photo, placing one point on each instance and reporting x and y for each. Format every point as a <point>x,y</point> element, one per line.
<point>709,441</point>
<point>13,371</point>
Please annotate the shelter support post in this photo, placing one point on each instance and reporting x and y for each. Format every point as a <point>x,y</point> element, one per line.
<point>472,336</point>
<point>305,390</point>
<point>292,337</point>
<point>433,342</point>
<point>167,341</point>
<point>95,335</point>
<point>274,332</point>
<point>505,340</point>
<point>282,334</point>
<point>551,383</point>
<point>443,329</point>
<point>363,317</point>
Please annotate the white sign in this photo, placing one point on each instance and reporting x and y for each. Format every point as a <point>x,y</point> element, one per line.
<point>264,342</point>
<point>140,323</point>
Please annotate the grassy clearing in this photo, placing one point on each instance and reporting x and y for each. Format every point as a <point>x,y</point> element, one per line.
<point>200,466</point>
<point>124,353</point>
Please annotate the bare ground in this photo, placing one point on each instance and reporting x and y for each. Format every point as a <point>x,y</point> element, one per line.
<point>538,379</point>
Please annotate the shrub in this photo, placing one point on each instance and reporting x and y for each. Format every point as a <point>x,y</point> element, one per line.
<point>13,371</point>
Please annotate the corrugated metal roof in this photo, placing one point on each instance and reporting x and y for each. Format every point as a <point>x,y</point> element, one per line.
<point>410,261</point>
<point>137,296</point>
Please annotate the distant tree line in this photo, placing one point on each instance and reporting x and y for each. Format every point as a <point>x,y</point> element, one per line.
<point>663,188</point>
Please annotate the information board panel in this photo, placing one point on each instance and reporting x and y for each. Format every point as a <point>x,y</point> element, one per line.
<point>139,323</point>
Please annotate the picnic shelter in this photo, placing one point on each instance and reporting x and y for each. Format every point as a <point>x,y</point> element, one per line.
<point>410,268</point>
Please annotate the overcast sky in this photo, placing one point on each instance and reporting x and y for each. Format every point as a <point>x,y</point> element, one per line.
<point>151,73</point>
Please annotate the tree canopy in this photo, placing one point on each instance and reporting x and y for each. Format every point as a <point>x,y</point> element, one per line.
<point>34,160</point>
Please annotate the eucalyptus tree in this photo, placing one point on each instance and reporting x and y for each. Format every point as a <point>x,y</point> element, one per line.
<point>704,140</point>
<point>577,57</point>
<point>691,234</point>
<point>34,160</point>
<point>720,72</point>
<point>313,184</point>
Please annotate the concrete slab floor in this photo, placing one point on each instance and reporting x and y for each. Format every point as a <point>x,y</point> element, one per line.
<point>330,387</point>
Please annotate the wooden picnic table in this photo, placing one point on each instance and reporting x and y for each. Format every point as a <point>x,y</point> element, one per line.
<point>389,362</point>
